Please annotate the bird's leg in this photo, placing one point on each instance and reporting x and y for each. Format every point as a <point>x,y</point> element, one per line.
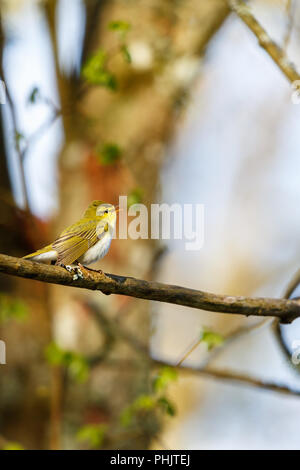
<point>77,271</point>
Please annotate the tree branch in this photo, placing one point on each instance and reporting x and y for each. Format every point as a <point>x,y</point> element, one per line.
<point>285,310</point>
<point>225,375</point>
<point>273,50</point>
<point>232,376</point>
<point>110,327</point>
<point>276,327</point>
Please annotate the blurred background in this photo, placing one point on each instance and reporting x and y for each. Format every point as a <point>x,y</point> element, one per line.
<point>162,101</point>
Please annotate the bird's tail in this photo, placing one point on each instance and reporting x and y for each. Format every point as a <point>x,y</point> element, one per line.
<point>44,254</point>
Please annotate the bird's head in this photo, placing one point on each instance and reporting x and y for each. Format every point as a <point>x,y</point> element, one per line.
<point>104,213</point>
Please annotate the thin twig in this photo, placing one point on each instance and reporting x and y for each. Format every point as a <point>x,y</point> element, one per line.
<point>290,7</point>
<point>232,376</point>
<point>234,336</point>
<point>273,50</point>
<point>210,372</point>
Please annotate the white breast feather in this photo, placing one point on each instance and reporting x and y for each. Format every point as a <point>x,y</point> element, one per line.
<point>97,251</point>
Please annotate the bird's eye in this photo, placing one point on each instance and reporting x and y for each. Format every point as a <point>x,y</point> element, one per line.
<point>106,212</point>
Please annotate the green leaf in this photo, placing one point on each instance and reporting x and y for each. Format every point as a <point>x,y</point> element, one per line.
<point>167,406</point>
<point>12,309</point>
<point>125,52</point>
<point>77,365</point>
<point>79,368</point>
<point>211,338</point>
<point>163,378</point>
<point>93,434</point>
<point>141,403</point>
<point>109,153</point>
<point>119,26</point>
<point>54,354</point>
<point>34,95</point>
<point>144,402</point>
<point>107,80</point>
<point>96,73</point>
<point>126,416</point>
<point>95,63</point>
<point>135,197</point>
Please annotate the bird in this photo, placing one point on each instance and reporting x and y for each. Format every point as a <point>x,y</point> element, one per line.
<point>83,242</point>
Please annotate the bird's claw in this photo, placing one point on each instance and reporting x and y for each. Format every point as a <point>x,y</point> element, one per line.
<point>78,274</point>
<point>79,271</point>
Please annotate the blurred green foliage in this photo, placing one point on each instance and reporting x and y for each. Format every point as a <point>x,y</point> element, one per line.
<point>109,153</point>
<point>125,52</point>
<point>137,412</point>
<point>135,196</point>
<point>167,406</point>
<point>120,26</point>
<point>95,71</point>
<point>76,364</point>
<point>211,339</point>
<point>92,434</point>
<point>153,401</point>
<point>164,377</point>
<point>12,309</point>
<point>141,403</point>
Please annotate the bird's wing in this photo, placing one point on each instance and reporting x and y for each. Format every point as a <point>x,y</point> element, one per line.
<point>42,251</point>
<point>76,240</point>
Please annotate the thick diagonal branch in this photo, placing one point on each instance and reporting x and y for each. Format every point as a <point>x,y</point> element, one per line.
<point>285,310</point>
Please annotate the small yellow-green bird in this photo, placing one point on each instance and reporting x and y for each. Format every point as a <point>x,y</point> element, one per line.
<point>84,242</point>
